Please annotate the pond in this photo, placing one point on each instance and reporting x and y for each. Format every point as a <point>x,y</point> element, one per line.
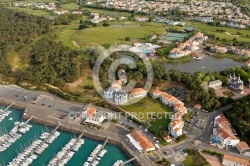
<point>208,63</point>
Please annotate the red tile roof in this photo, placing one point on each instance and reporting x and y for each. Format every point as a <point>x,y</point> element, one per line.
<point>142,140</point>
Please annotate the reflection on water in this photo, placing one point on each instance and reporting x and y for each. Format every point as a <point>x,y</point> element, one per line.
<point>206,64</point>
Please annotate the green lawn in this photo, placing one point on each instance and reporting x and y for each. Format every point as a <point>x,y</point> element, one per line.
<point>232,56</point>
<point>159,127</point>
<point>212,30</point>
<point>69,6</point>
<point>107,35</point>
<point>194,159</point>
<point>147,106</point>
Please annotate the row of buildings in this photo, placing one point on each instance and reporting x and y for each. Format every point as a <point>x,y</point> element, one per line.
<point>176,125</point>
<point>232,49</point>
<point>120,96</point>
<point>225,136</point>
<point>96,18</point>
<point>37,5</point>
<point>224,10</point>
<point>188,46</point>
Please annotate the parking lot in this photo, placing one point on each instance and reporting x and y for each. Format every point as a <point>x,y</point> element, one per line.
<point>177,92</point>
<point>195,125</point>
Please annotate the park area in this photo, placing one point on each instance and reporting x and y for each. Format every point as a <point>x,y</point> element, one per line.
<point>147,107</point>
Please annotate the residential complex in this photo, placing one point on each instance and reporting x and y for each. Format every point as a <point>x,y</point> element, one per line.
<point>187,47</point>
<point>140,141</point>
<point>224,10</point>
<point>176,124</point>
<point>229,160</point>
<point>119,95</point>
<point>218,49</point>
<point>230,49</point>
<point>243,148</point>
<point>224,135</point>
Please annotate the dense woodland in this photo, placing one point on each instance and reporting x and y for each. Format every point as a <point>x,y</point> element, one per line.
<point>239,116</point>
<point>51,62</point>
<point>17,28</point>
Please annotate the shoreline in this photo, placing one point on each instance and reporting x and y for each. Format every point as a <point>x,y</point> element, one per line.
<point>74,130</point>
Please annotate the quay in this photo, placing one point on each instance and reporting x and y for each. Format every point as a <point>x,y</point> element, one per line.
<point>46,109</point>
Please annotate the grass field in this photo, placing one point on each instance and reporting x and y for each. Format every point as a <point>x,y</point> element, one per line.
<point>69,6</point>
<point>159,126</point>
<point>107,35</point>
<point>146,106</point>
<point>212,30</point>
<point>32,11</point>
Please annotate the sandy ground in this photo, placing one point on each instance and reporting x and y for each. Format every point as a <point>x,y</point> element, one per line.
<point>219,92</point>
<point>75,44</point>
<point>214,161</point>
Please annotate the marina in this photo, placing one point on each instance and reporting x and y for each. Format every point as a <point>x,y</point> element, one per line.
<point>33,145</point>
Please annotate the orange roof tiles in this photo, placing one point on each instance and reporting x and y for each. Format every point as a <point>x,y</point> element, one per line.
<point>166,95</point>
<point>167,138</point>
<point>136,90</point>
<point>225,134</point>
<point>236,159</point>
<point>117,83</point>
<point>176,129</point>
<point>91,111</point>
<point>242,146</point>
<point>142,140</point>
<point>156,91</point>
<point>198,106</point>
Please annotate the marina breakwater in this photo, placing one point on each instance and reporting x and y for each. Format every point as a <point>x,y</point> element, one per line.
<point>63,127</point>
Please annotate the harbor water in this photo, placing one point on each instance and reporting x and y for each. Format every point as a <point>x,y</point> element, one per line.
<point>113,154</point>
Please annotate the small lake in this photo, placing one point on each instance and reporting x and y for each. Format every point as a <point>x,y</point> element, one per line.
<point>209,62</point>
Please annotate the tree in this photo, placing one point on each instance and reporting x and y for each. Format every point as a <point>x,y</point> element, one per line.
<point>106,24</point>
<point>127,39</point>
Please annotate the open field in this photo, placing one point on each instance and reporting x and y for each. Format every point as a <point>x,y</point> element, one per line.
<point>107,35</point>
<point>212,30</point>
<point>69,6</point>
<point>32,11</point>
<point>101,11</point>
<point>147,107</point>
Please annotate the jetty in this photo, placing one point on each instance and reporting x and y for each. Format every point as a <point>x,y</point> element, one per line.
<point>67,151</point>
<point>128,161</point>
<point>4,113</point>
<point>6,109</point>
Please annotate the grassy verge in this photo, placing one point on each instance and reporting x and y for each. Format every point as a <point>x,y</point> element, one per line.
<point>231,56</point>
